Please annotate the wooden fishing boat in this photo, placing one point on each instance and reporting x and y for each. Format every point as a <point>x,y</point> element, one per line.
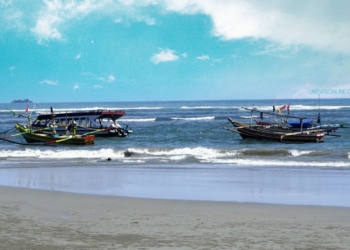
<point>53,138</point>
<point>275,133</point>
<point>103,122</point>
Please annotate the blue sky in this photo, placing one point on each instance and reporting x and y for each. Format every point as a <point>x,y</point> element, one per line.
<point>153,50</point>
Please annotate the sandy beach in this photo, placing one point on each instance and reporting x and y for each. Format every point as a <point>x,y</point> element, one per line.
<point>40,219</point>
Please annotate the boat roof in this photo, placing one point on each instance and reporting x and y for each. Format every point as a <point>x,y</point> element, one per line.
<point>101,113</point>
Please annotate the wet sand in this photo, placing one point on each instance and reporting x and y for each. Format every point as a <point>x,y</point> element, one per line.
<point>40,219</point>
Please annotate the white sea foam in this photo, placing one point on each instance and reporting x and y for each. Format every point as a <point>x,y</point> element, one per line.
<point>201,152</point>
<point>254,162</point>
<point>210,107</point>
<point>134,161</point>
<point>143,108</point>
<point>296,153</point>
<point>246,117</point>
<point>61,154</point>
<point>64,110</point>
<point>194,118</point>
<point>137,120</point>
<point>299,107</point>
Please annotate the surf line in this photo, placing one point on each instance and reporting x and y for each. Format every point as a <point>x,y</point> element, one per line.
<point>200,132</point>
<point>128,153</point>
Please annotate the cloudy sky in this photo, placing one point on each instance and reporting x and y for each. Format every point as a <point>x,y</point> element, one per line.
<point>155,50</point>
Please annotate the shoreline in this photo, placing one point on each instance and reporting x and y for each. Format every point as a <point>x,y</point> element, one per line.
<point>44,219</point>
<point>188,182</point>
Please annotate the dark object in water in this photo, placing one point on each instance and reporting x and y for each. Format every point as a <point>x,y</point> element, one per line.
<point>109,159</point>
<point>128,154</point>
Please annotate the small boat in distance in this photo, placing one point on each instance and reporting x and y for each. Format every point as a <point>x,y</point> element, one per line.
<point>22,101</point>
<point>102,121</point>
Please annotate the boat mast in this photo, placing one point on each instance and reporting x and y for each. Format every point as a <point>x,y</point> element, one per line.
<point>251,117</point>
<point>319,110</point>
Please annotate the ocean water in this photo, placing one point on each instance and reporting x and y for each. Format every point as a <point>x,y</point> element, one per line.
<point>181,150</point>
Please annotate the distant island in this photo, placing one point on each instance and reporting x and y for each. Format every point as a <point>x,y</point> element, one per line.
<point>22,101</point>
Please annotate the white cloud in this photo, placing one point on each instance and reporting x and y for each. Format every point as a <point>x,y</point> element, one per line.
<point>49,82</point>
<point>322,25</point>
<point>5,3</point>
<point>56,12</point>
<point>118,20</point>
<point>76,86</point>
<point>203,57</point>
<point>97,86</point>
<point>149,21</point>
<point>165,55</point>
<point>12,68</point>
<point>78,56</point>
<point>109,78</point>
<point>44,29</point>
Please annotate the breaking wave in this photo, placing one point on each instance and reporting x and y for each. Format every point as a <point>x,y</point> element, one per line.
<point>194,118</point>
<point>137,120</point>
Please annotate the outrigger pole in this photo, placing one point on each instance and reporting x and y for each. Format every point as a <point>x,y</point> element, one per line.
<point>269,113</point>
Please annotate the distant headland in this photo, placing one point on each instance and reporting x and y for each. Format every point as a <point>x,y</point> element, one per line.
<point>22,101</point>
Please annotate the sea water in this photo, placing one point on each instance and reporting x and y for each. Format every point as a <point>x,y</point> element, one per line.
<point>180,150</point>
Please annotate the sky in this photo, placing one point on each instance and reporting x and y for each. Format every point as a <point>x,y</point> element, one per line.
<point>160,50</point>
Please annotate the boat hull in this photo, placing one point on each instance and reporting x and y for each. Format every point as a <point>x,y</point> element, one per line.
<point>98,132</point>
<point>49,138</point>
<point>275,133</point>
<point>279,136</point>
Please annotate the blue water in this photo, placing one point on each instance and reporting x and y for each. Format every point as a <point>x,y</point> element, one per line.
<point>187,139</point>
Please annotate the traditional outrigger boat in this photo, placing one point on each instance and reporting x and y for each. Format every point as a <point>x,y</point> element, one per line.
<point>276,132</point>
<point>103,122</point>
<point>302,124</point>
<point>273,133</point>
<point>47,135</point>
<point>53,138</point>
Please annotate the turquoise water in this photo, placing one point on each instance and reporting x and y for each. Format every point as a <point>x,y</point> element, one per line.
<point>187,139</point>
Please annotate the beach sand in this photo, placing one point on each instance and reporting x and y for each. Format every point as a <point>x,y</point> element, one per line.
<point>39,219</point>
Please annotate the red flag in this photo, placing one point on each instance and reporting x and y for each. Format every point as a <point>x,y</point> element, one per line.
<point>27,109</point>
<point>283,107</point>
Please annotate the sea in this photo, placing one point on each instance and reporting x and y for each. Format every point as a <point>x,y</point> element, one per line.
<point>181,150</point>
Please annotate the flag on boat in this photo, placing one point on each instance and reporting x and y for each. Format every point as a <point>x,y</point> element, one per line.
<point>27,109</point>
<point>281,108</point>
